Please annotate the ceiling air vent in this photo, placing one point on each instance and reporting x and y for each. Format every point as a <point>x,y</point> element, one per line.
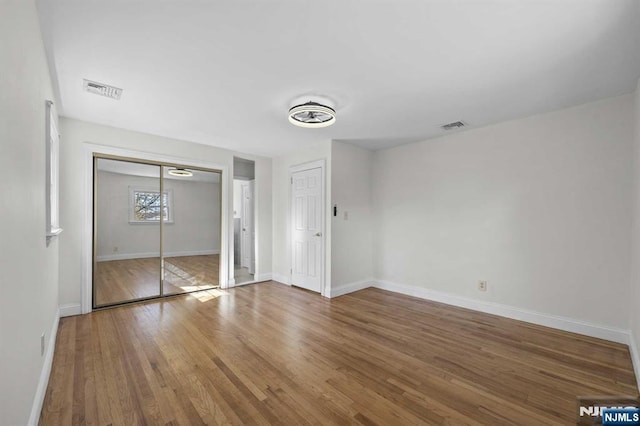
<point>453,126</point>
<point>102,89</point>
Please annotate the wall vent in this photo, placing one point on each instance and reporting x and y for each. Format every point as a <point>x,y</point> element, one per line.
<point>102,89</point>
<point>453,126</point>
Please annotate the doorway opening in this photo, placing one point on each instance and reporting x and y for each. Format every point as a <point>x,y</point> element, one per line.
<point>244,221</point>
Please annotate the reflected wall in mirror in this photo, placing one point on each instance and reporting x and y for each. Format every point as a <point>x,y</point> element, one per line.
<point>154,234</point>
<point>126,231</point>
<point>191,242</point>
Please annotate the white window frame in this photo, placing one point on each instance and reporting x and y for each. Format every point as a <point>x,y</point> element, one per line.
<point>52,189</point>
<point>132,199</point>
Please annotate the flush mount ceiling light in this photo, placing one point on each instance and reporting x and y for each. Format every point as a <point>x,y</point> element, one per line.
<point>180,172</point>
<point>312,114</point>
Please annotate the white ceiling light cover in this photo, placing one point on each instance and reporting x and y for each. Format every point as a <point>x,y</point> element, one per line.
<point>312,115</point>
<point>180,172</point>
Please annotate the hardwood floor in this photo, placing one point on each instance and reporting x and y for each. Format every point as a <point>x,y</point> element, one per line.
<point>122,280</point>
<point>271,354</point>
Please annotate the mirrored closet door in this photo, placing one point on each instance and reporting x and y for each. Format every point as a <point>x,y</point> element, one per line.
<point>191,248</point>
<point>156,230</point>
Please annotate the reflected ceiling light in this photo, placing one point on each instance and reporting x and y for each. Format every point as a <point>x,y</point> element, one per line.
<point>180,172</point>
<point>312,114</point>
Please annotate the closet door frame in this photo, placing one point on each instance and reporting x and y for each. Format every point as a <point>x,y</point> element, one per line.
<point>92,151</point>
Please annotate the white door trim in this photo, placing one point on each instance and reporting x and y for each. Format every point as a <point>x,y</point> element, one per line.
<point>252,237</point>
<point>321,164</point>
<point>259,275</point>
<point>87,222</point>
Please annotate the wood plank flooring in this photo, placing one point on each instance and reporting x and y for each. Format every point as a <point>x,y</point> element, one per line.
<point>271,354</point>
<point>123,280</point>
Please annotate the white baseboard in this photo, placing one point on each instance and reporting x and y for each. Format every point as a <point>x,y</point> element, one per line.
<point>351,287</point>
<point>41,390</point>
<point>127,256</point>
<point>257,279</point>
<point>562,323</point>
<point>70,309</point>
<point>635,356</point>
<point>283,279</point>
<point>245,283</point>
<point>267,276</point>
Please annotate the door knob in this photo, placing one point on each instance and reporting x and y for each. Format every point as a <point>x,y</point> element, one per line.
<point>318,234</point>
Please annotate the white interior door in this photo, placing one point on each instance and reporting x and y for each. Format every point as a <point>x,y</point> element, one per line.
<point>307,229</point>
<point>246,230</point>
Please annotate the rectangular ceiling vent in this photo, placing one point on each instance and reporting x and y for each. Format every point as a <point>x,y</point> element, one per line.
<point>453,126</point>
<point>102,89</point>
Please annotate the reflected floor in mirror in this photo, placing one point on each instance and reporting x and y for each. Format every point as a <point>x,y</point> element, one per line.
<point>241,275</point>
<point>119,281</point>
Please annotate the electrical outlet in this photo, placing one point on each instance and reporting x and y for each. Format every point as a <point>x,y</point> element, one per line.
<point>346,215</point>
<point>115,249</point>
<point>482,285</point>
<point>42,344</point>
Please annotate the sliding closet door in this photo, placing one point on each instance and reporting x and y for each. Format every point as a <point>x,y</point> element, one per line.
<point>191,235</point>
<point>128,209</point>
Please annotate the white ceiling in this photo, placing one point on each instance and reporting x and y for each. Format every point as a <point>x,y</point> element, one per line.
<point>224,72</point>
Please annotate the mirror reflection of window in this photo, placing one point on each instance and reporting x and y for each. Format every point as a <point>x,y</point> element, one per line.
<point>146,205</point>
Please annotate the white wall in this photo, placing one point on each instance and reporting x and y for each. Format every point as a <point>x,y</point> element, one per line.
<point>196,218</point>
<point>352,238</point>
<point>634,300</point>
<point>28,268</point>
<point>282,208</point>
<point>75,133</point>
<point>539,207</point>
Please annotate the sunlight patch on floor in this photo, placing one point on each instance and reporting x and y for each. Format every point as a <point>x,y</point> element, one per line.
<point>206,295</point>
<point>197,281</point>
